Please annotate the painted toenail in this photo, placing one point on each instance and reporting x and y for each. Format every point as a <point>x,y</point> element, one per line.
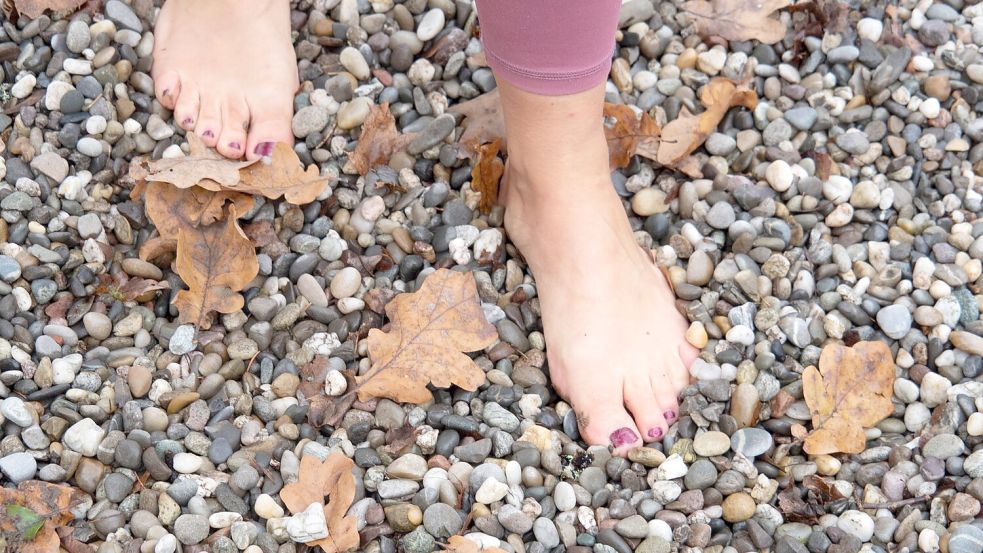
<point>188,121</point>
<point>264,148</point>
<point>623,436</point>
<point>166,93</point>
<point>235,146</point>
<point>669,415</point>
<point>208,134</point>
<point>655,433</point>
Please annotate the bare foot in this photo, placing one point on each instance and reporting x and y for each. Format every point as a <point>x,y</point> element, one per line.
<point>615,341</point>
<point>228,70</point>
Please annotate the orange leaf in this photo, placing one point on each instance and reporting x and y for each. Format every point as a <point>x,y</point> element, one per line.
<point>630,135</point>
<point>851,390</point>
<point>483,121</point>
<point>380,139</point>
<point>738,20</point>
<point>52,502</point>
<point>486,174</point>
<point>282,175</point>
<point>430,328</point>
<point>34,8</point>
<point>216,262</point>
<point>156,248</point>
<point>331,478</point>
<point>687,132</point>
<point>172,208</point>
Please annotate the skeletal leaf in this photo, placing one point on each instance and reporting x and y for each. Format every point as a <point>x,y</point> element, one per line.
<point>486,174</point>
<point>851,390</point>
<point>380,139</point>
<point>332,478</point>
<point>34,8</point>
<point>202,167</point>
<point>33,512</point>
<point>738,20</point>
<point>483,121</point>
<point>216,262</point>
<point>282,175</point>
<point>630,135</point>
<point>429,330</point>
<point>683,135</point>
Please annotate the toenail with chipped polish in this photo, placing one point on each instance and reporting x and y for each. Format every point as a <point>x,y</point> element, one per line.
<point>166,93</point>
<point>188,121</point>
<point>623,436</point>
<point>208,134</point>
<point>669,415</point>
<point>264,148</point>
<point>655,433</point>
<point>235,145</point>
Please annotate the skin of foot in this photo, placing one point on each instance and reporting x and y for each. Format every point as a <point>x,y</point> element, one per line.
<point>614,338</point>
<point>228,71</point>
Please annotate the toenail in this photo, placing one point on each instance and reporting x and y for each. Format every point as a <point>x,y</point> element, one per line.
<point>669,415</point>
<point>166,93</point>
<point>188,121</point>
<point>623,436</point>
<point>264,148</point>
<point>208,134</point>
<point>235,146</point>
<point>655,433</point>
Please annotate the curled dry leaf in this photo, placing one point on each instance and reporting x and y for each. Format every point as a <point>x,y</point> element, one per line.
<point>31,514</point>
<point>34,8</point>
<point>380,139</point>
<point>172,209</point>
<point>429,330</point>
<point>216,262</point>
<point>332,478</point>
<point>486,174</point>
<point>202,167</point>
<point>687,132</point>
<point>483,121</point>
<point>282,174</point>
<point>738,19</point>
<point>630,135</point>
<point>157,248</point>
<point>461,544</point>
<point>851,390</point>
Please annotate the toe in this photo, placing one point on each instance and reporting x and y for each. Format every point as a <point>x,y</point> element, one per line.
<point>186,109</point>
<point>209,122</point>
<point>640,397</point>
<point>235,119</point>
<point>269,124</point>
<point>167,87</point>
<point>666,396</point>
<point>688,354</point>
<point>607,422</point>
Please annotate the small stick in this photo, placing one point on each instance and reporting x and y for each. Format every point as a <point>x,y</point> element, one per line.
<point>898,503</point>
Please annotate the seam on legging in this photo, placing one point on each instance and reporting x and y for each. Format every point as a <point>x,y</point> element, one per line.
<point>548,75</point>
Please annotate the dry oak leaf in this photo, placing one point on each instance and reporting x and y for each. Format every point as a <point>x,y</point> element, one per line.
<point>486,174</point>
<point>31,514</point>
<point>172,208</point>
<point>483,121</point>
<point>380,139</point>
<point>202,167</point>
<point>429,330</point>
<point>461,544</point>
<point>216,262</point>
<point>331,478</point>
<point>738,20</point>
<point>683,135</point>
<point>282,174</point>
<point>630,135</point>
<point>34,8</point>
<point>851,390</point>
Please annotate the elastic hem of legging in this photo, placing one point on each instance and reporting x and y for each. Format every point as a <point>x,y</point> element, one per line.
<point>553,83</point>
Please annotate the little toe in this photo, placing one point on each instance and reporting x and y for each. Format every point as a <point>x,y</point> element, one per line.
<point>186,109</point>
<point>607,423</point>
<point>167,87</point>
<point>640,398</point>
<point>209,122</point>
<point>266,128</point>
<point>235,119</point>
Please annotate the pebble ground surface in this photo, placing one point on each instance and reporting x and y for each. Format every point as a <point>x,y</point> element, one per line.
<point>182,440</point>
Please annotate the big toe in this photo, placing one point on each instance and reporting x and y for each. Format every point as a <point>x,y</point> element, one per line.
<point>607,422</point>
<point>270,123</point>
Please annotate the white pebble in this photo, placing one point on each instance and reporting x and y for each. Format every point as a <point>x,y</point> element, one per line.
<point>55,92</point>
<point>96,124</point>
<point>430,24</point>
<point>974,426</point>
<point>355,63</point>
<point>857,523</point>
<point>187,463</point>
<point>89,146</point>
<point>870,29</point>
<point>77,66</point>
<point>779,175</point>
<point>930,108</point>
<point>335,383</point>
<point>24,86</point>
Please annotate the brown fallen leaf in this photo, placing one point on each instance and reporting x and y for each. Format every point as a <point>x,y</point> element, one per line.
<point>483,121</point>
<point>123,287</point>
<point>796,509</point>
<point>851,390</point>
<point>31,514</point>
<point>738,20</point>
<point>460,544</point>
<point>630,135</point>
<point>202,167</point>
<point>379,140</point>
<point>683,135</point>
<point>331,478</point>
<point>157,248</point>
<point>215,261</point>
<point>282,174</point>
<point>71,544</point>
<point>486,174</point>
<point>429,330</point>
<point>172,208</point>
<point>33,9</point>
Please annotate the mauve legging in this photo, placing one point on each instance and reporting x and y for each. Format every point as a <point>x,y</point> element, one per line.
<point>549,47</point>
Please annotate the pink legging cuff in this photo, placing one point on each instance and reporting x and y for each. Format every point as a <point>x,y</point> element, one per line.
<point>549,47</point>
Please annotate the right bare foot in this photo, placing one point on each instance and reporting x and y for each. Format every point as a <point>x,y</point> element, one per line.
<point>228,70</point>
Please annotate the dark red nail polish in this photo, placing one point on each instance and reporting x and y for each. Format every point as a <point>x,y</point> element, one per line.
<point>264,148</point>
<point>188,121</point>
<point>669,415</point>
<point>166,93</point>
<point>208,134</point>
<point>655,433</point>
<point>623,436</point>
<point>235,146</point>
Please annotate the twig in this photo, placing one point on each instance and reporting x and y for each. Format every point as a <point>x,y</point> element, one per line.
<point>896,504</point>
